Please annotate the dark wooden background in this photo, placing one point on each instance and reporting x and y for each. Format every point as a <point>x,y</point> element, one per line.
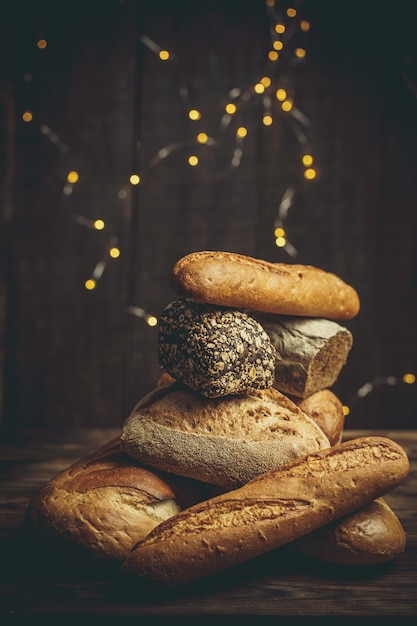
<point>104,105</point>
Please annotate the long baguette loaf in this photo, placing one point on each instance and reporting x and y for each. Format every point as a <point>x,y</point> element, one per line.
<point>269,511</point>
<point>234,280</point>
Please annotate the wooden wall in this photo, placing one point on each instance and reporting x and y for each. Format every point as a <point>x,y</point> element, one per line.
<point>104,105</point>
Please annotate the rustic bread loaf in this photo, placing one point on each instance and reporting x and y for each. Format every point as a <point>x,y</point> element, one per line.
<point>101,505</point>
<point>271,510</point>
<point>224,441</point>
<point>325,408</point>
<point>214,350</point>
<point>309,352</point>
<point>234,280</point>
<point>369,536</point>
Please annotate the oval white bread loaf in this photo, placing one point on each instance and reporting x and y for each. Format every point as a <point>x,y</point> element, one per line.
<point>272,510</point>
<point>101,505</point>
<point>325,408</point>
<point>224,441</point>
<point>369,536</point>
<point>234,280</point>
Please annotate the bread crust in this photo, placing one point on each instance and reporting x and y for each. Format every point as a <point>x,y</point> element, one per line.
<point>234,280</point>
<point>272,510</point>
<point>325,408</point>
<point>100,506</point>
<point>224,441</point>
<point>369,536</point>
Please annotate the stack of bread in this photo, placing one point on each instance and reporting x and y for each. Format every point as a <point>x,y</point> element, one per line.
<point>238,450</point>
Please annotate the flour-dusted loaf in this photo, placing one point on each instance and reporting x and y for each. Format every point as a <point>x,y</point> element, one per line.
<point>214,350</point>
<point>369,536</point>
<point>325,408</point>
<point>272,510</point>
<point>309,352</point>
<point>234,280</point>
<point>224,441</point>
<point>100,506</point>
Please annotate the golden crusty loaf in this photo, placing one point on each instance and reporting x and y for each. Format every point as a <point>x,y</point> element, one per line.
<point>369,536</point>
<point>234,280</point>
<point>273,509</point>
<point>325,408</point>
<point>101,505</point>
<point>224,441</point>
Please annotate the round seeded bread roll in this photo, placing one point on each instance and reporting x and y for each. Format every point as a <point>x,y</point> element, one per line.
<point>100,506</point>
<point>215,351</point>
<point>224,441</point>
<point>325,408</point>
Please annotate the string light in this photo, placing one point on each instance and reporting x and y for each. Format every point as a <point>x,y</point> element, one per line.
<point>41,43</point>
<point>134,179</point>
<point>27,116</point>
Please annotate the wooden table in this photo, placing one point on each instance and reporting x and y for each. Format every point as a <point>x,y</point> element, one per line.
<point>271,589</point>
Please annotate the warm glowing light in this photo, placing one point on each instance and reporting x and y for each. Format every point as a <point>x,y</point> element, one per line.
<point>134,179</point>
<point>202,137</point>
<point>242,132</point>
<point>194,115</point>
<point>151,320</point>
<point>277,45</point>
<point>346,410</point>
<point>410,379</point>
<point>265,81</point>
<point>281,95</point>
<point>291,12</point>
<point>230,108</point>
<point>193,160</point>
<point>90,284</point>
<point>310,173</point>
<point>272,55</point>
<point>270,3</point>
<point>72,177</point>
<point>259,88</point>
<point>99,224</point>
<point>27,116</point>
<point>267,120</point>
<point>279,232</point>
<point>305,26</point>
<point>279,28</point>
<point>114,252</point>
<point>164,55</point>
<point>280,242</point>
<point>307,160</point>
<point>300,53</point>
<point>287,105</point>
<point>42,43</point>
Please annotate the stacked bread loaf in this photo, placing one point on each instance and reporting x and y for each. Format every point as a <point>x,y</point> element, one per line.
<point>237,450</point>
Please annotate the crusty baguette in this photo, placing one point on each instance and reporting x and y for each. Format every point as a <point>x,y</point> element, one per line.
<point>325,408</point>
<point>224,441</point>
<point>369,536</point>
<point>271,510</point>
<point>100,506</point>
<point>234,280</point>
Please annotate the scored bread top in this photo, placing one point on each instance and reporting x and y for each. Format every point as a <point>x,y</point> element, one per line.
<point>236,280</point>
<point>225,441</point>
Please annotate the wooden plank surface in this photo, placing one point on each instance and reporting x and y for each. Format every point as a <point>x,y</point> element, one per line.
<point>272,586</point>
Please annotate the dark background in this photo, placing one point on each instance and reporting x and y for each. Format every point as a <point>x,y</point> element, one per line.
<point>104,105</point>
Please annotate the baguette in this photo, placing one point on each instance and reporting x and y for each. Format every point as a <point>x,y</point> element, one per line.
<point>223,441</point>
<point>368,536</point>
<point>270,511</point>
<point>234,280</point>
